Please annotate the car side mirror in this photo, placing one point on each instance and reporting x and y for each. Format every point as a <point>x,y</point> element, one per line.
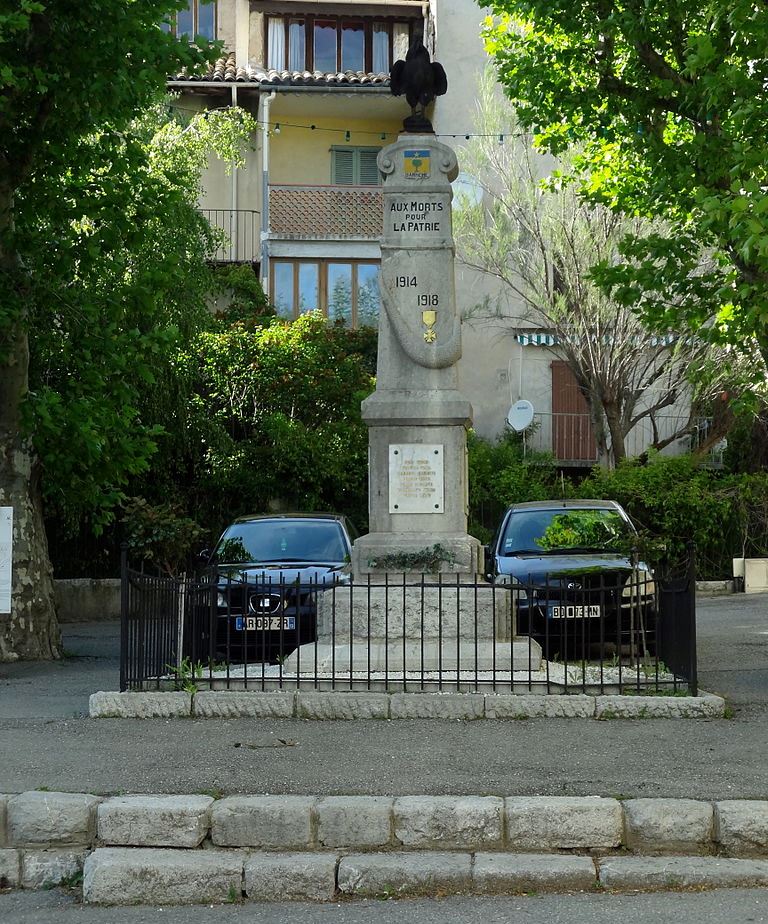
<point>204,556</point>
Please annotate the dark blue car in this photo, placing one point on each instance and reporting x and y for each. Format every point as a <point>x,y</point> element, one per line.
<point>269,570</point>
<point>569,566</point>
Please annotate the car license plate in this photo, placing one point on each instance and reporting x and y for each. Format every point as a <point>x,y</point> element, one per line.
<point>574,611</point>
<point>263,623</point>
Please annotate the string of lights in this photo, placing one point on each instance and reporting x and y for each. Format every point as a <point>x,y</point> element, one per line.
<point>277,126</point>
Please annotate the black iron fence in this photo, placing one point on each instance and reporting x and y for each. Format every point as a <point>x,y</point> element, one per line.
<point>246,628</point>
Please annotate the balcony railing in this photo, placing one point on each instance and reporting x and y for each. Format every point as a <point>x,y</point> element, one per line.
<point>570,437</point>
<point>324,212</point>
<point>242,229</point>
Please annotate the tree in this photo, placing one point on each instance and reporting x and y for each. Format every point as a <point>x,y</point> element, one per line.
<point>669,104</point>
<point>74,76</point>
<point>540,239</point>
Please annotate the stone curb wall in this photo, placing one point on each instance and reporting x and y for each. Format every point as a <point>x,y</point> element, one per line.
<point>194,848</point>
<point>345,705</point>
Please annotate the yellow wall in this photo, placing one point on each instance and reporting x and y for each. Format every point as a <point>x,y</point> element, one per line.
<point>302,156</point>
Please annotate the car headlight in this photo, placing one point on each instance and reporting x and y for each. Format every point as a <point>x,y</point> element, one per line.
<point>511,583</point>
<point>639,586</point>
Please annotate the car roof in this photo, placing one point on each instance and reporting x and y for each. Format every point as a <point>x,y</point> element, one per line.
<point>289,516</point>
<point>584,504</point>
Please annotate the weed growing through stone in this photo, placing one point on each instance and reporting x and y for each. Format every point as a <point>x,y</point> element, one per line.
<point>185,673</point>
<point>73,881</point>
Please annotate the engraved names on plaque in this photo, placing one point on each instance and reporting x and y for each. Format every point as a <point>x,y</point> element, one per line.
<point>416,478</point>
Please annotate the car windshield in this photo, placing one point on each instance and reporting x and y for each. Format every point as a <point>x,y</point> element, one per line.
<point>265,541</point>
<point>549,531</point>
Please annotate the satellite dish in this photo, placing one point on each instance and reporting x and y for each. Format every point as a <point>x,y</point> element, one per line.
<point>520,415</point>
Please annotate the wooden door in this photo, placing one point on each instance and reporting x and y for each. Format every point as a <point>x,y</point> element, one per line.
<point>572,437</point>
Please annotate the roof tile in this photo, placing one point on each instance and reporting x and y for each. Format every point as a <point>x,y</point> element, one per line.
<point>225,69</point>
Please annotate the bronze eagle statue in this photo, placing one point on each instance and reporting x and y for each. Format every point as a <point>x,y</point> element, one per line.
<point>421,80</point>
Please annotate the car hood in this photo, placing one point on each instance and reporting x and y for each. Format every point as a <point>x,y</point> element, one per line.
<point>276,573</point>
<point>539,569</point>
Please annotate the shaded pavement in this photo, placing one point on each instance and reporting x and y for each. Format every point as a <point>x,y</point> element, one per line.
<point>46,739</point>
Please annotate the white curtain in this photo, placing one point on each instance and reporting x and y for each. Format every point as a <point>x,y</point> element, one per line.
<point>276,44</point>
<point>399,41</point>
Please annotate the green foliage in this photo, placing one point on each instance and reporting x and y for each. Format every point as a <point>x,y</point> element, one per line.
<point>504,473</point>
<point>129,282</point>
<point>160,534</point>
<point>675,501</point>
<point>672,501</point>
<point>276,410</point>
<point>239,288</point>
<point>427,561</point>
<point>186,674</point>
<point>668,104</point>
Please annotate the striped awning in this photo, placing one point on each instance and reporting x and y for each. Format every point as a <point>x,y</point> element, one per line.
<point>548,339</point>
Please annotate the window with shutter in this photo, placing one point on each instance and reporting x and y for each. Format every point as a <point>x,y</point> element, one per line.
<point>369,172</point>
<point>354,167</point>
<point>343,167</point>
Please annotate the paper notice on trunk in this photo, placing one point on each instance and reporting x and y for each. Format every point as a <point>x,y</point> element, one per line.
<point>6,557</point>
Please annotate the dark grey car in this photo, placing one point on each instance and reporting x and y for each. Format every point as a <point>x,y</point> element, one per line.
<point>577,584</point>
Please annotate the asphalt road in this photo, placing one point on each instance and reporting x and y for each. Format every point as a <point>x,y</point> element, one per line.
<point>46,740</point>
<point>732,906</point>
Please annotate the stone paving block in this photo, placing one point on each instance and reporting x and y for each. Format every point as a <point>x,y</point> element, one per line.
<point>531,706</point>
<point>509,872</point>
<point>50,819</point>
<point>618,873</point>
<point>291,877</point>
<point>704,706</point>
<point>44,869</point>
<point>354,821</point>
<point>10,868</point>
<point>556,822</point>
<point>663,826</point>
<point>338,704</point>
<point>741,826</point>
<point>449,821</point>
<point>234,704</point>
<point>153,876</point>
<point>437,706</point>
<point>154,821</point>
<point>383,874</point>
<point>262,821</point>
<point>3,819</point>
<point>157,705</point>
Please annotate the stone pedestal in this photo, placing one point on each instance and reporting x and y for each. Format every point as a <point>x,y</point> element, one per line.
<point>416,628</point>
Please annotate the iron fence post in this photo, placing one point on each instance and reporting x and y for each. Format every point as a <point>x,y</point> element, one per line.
<point>123,617</point>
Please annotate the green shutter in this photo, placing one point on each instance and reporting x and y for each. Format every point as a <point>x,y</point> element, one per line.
<point>343,166</point>
<point>354,167</point>
<point>369,172</point>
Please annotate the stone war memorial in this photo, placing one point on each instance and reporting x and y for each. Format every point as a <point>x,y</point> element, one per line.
<point>417,600</point>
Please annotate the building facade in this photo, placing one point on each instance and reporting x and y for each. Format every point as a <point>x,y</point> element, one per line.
<point>305,209</point>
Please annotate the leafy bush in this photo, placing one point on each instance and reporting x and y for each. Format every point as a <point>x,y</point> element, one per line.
<point>277,407</point>
<point>672,500</point>
<point>504,473</point>
<point>162,534</point>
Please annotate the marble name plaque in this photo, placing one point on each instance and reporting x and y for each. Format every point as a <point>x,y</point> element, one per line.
<point>416,478</point>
